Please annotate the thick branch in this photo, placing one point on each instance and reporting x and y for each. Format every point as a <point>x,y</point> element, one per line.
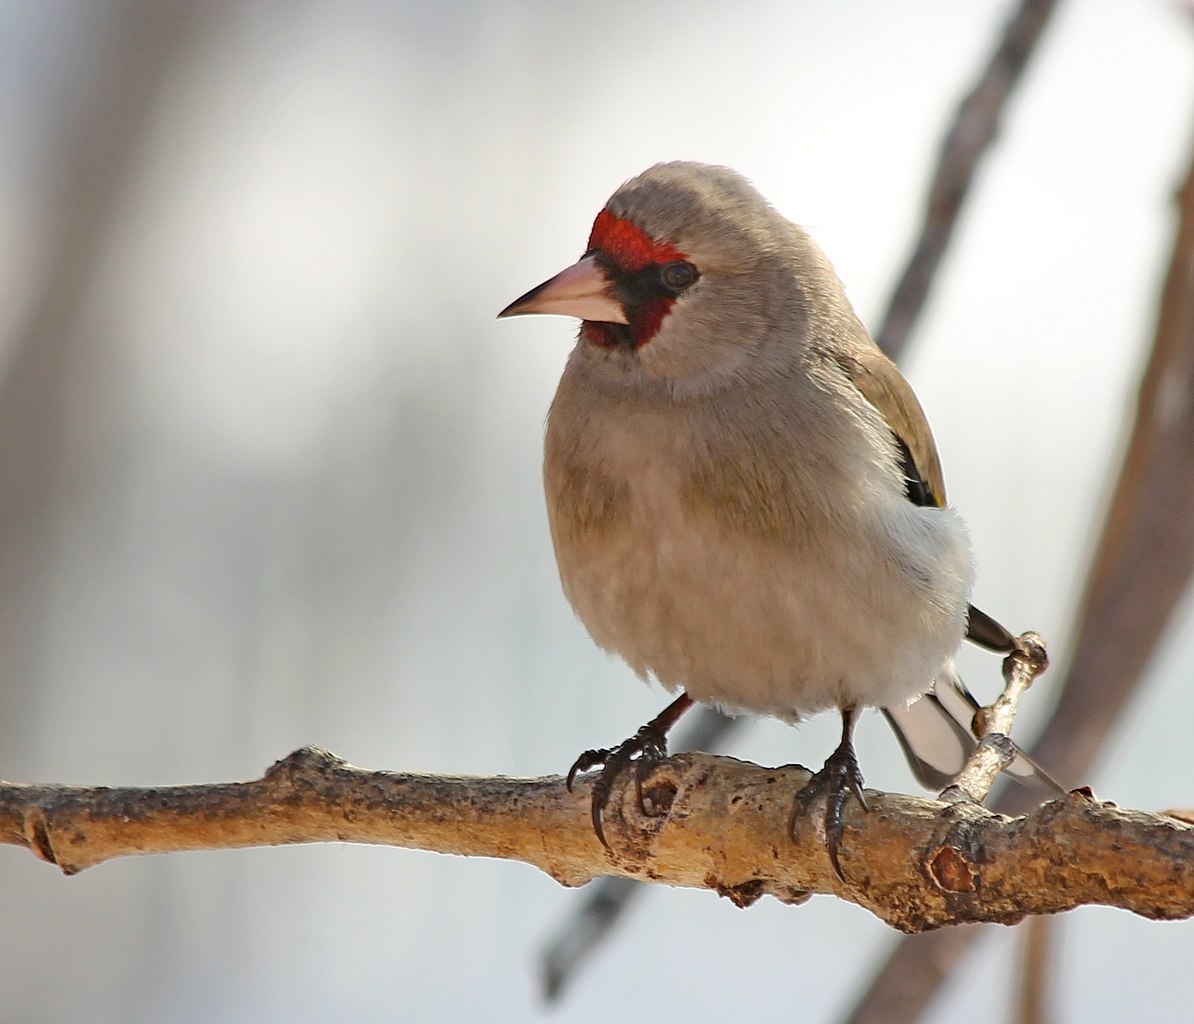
<point>917,864</point>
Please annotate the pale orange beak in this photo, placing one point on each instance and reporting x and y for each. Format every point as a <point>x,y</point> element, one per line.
<point>582,291</point>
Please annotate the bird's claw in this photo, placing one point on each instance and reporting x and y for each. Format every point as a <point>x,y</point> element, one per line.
<point>837,780</point>
<point>644,750</point>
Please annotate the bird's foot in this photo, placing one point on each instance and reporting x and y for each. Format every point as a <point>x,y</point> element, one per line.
<point>837,780</point>
<point>644,750</point>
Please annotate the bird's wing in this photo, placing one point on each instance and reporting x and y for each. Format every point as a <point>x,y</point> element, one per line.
<point>935,731</point>
<point>935,746</point>
<point>983,630</point>
<point>935,735</point>
<point>881,383</point>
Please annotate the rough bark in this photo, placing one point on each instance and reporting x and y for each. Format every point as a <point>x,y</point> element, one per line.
<point>917,864</point>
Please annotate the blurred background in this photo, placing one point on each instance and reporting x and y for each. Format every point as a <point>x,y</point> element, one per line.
<point>270,468</point>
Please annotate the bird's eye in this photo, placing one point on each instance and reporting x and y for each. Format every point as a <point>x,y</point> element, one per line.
<point>678,276</point>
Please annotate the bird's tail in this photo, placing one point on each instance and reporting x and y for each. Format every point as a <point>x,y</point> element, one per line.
<point>935,735</point>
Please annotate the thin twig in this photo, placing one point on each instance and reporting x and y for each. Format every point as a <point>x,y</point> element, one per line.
<point>995,750</point>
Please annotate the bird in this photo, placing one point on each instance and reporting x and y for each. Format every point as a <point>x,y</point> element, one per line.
<point>744,496</point>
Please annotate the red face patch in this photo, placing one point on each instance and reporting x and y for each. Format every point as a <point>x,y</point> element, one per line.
<point>628,246</point>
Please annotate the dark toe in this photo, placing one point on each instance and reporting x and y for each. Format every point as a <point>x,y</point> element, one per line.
<point>645,749</point>
<point>836,781</point>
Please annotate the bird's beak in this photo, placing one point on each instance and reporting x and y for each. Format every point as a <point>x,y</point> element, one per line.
<point>582,291</point>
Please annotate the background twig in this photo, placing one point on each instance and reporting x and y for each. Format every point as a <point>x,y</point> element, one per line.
<point>974,128</point>
<point>1141,568</point>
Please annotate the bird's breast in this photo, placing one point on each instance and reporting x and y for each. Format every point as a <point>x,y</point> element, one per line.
<point>741,565</point>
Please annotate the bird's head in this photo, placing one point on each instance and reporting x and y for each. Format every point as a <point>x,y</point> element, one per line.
<point>688,279</point>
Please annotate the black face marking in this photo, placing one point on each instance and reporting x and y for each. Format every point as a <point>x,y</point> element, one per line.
<point>639,289</point>
<point>646,296</point>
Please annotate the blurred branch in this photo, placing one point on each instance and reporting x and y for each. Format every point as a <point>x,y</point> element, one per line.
<point>137,46</point>
<point>974,128</point>
<point>1036,966</point>
<point>1140,571</point>
<point>915,863</point>
<point>606,900</point>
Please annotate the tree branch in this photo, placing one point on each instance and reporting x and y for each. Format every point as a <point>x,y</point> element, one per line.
<point>917,864</point>
<point>975,127</point>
